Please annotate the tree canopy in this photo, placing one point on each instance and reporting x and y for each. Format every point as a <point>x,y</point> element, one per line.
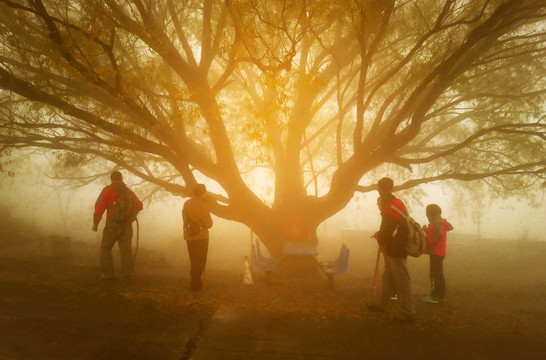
<point>320,96</point>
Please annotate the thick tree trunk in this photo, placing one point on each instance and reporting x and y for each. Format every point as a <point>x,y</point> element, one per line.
<point>274,234</point>
<point>287,226</point>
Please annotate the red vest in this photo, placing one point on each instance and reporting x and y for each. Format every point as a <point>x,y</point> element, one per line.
<point>395,202</point>
<point>106,200</point>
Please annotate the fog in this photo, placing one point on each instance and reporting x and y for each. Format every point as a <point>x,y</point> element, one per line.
<point>47,209</point>
<point>497,267</point>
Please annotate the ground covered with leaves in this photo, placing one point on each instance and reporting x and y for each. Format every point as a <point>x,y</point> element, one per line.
<point>57,307</point>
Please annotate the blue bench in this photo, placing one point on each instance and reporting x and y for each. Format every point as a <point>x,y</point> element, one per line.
<point>338,266</point>
<point>263,263</point>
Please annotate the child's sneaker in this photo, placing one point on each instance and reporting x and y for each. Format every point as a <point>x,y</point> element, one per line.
<point>431,299</point>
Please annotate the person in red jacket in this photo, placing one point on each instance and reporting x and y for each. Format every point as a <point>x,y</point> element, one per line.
<point>115,231</point>
<point>392,238</point>
<point>436,232</point>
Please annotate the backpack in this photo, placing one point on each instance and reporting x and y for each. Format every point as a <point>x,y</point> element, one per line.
<point>417,240</point>
<point>124,209</point>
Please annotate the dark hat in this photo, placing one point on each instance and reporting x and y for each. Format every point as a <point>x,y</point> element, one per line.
<point>385,185</point>
<point>433,210</point>
<point>199,189</point>
<point>116,176</point>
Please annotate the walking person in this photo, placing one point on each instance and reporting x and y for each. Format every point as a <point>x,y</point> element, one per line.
<point>197,221</point>
<point>392,238</point>
<point>436,232</point>
<point>122,206</point>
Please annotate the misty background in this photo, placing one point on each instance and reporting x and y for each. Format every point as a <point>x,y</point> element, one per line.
<point>48,206</point>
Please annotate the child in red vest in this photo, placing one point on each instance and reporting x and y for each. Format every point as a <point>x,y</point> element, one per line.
<point>436,232</point>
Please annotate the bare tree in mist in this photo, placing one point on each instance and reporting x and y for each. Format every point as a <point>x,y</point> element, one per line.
<point>325,96</point>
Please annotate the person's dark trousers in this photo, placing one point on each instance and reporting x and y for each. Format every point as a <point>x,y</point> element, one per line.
<point>437,280</point>
<point>123,235</point>
<point>197,249</point>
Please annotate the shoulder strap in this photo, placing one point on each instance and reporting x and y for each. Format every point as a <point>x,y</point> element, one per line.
<point>398,211</point>
<point>119,189</point>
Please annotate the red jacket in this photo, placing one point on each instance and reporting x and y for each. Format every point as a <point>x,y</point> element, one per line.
<point>392,235</point>
<point>437,239</point>
<point>108,197</point>
<point>392,213</point>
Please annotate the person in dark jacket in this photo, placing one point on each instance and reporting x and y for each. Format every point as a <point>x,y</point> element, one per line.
<point>392,238</point>
<point>197,222</point>
<point>114,231</point>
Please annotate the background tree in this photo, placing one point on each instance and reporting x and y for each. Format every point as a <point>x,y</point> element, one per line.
<point>313,99</point>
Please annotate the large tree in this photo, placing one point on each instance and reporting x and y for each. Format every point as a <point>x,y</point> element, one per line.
<point>313,99</point>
